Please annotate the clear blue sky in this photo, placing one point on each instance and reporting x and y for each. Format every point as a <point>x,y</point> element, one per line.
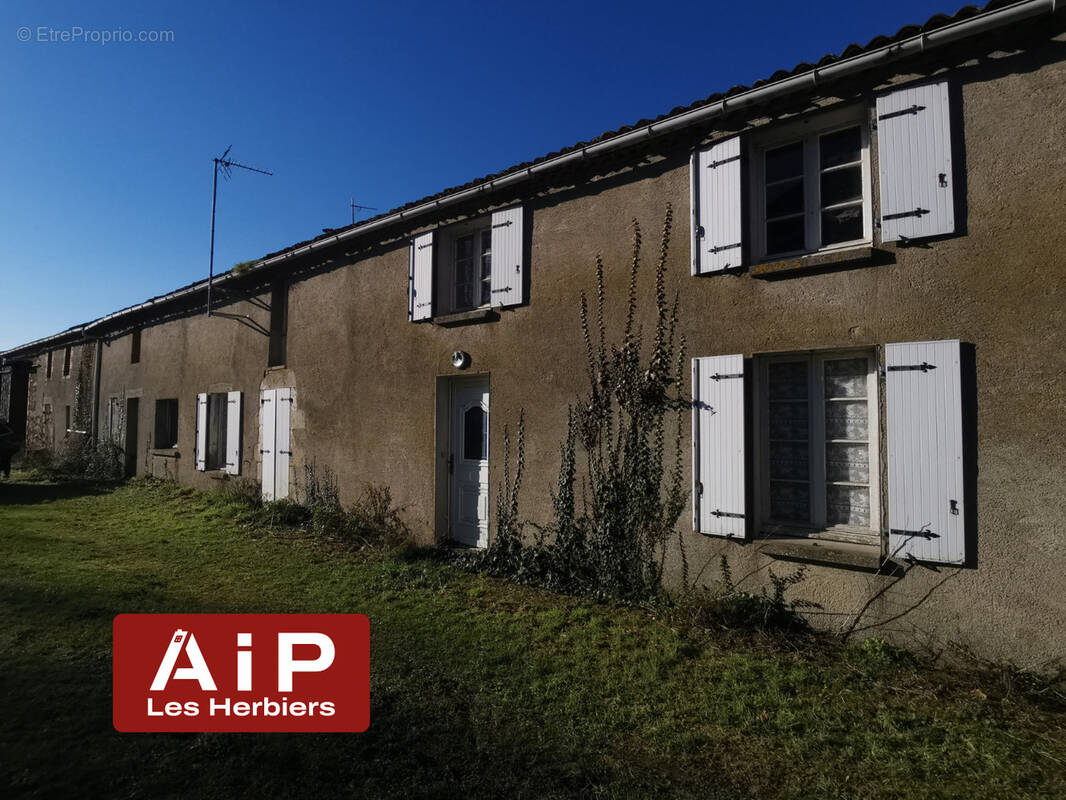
<point>105,149</point>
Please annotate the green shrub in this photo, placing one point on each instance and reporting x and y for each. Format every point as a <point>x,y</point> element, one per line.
<point>613,545</point>
<point>245,491</point>
<point>726,607</point>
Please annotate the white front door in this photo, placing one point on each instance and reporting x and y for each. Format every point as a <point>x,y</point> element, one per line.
<point>469,462</point>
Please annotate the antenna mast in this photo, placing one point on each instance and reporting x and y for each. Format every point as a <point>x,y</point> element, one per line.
<point>361,208</point>
<point>225,164</point>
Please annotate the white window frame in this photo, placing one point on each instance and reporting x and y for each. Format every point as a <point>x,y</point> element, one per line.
<point>446,259</point>
<point>809,131</point>
<point>817,528</point>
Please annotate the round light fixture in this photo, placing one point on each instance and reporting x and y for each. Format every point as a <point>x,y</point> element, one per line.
<point>460,359</point>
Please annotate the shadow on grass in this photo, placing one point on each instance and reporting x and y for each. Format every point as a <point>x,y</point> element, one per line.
<point>432,733</point>
<point>21,493</point>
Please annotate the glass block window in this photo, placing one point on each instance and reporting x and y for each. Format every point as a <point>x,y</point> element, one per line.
<point>819,451</point>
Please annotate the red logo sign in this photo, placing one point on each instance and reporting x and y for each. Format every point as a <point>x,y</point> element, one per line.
<point>241,672</point>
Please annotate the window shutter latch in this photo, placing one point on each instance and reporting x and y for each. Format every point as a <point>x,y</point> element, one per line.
<point>720,377</point>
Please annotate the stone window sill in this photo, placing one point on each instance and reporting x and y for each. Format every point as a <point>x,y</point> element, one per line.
<point>466,317</point>
<point>863,557</point>
<point>812,262</point>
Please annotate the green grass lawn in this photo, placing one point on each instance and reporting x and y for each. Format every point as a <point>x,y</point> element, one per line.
<point>479,688</point>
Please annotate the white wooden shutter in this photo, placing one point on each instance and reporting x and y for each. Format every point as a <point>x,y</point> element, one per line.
<point>717,239</point>
<point>926,512</point>
<point>233,433</point>
<point>508,270</point>
<point>914,162</point>
<point>719,505</point>
<point>421,279</point>
<point>267,450</point>
<point>201,432</point>
<point>286,397</point>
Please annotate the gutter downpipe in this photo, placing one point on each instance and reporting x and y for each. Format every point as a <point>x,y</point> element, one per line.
<point>917,44</point>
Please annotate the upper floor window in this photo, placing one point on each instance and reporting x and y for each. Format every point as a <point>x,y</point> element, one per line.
<point>812,191</point>
<point>135,347</point>
<point>806,186</point>
<point>48,365</point>
<point>468,266</point>
<point>66,361</point>
<point>471,272</point>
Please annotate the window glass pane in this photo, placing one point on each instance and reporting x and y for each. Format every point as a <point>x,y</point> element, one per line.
<point>848,505</point>
<point>784,162</point>
<point>789,420</point>
<point>784,198</point>
<point>845,378</point>
<point>841,185</point>
<point>464,247</point>
<point>789,460</point>
<point>790,502</point>
<point>847,463</point>
<point>785,236</point>
<point>788,380</point>
<point>842,225</point>
<point>842,147</point>
<point>846,419</point>
<point>475,439</point>
<point>464,295</point>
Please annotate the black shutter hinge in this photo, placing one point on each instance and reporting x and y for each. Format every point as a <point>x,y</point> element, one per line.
<point>721,248</point>
<point>716,164</point>
<point>720,513</point>
<point>902,112</point>
<point>923,367</point>
<point>918,212</point>
<point>720,377</point>
<point>922,534</point>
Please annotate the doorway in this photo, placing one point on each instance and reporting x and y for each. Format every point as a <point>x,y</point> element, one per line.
<point>468,461</point>
<point>133,408</point>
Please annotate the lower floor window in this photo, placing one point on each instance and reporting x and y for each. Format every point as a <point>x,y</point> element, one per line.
<point>819,431</point>
<point>166,423</point>
<point>217,409</point>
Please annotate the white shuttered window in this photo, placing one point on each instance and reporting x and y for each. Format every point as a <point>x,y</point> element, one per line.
<point>923,392</point>
<point>507,258</point>
<point>233,433</point>
<point>717,235</point>
<point>201,432</point>
<point>914,163</point>
<point>275,424</point>
<point>420,297</point>
<point>719,506</point>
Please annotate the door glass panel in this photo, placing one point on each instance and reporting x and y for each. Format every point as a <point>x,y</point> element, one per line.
<point>475,434</point>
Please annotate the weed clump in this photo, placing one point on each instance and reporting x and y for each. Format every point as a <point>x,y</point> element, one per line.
<point>608,540</point>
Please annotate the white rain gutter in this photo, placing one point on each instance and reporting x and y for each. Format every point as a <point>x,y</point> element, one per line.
<point>915,45</point>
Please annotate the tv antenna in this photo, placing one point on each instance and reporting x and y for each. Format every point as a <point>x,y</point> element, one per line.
<point>355,205</point>
<point>223,164</point>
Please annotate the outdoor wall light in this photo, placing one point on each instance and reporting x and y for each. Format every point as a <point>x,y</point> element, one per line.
<point>460,359</point>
